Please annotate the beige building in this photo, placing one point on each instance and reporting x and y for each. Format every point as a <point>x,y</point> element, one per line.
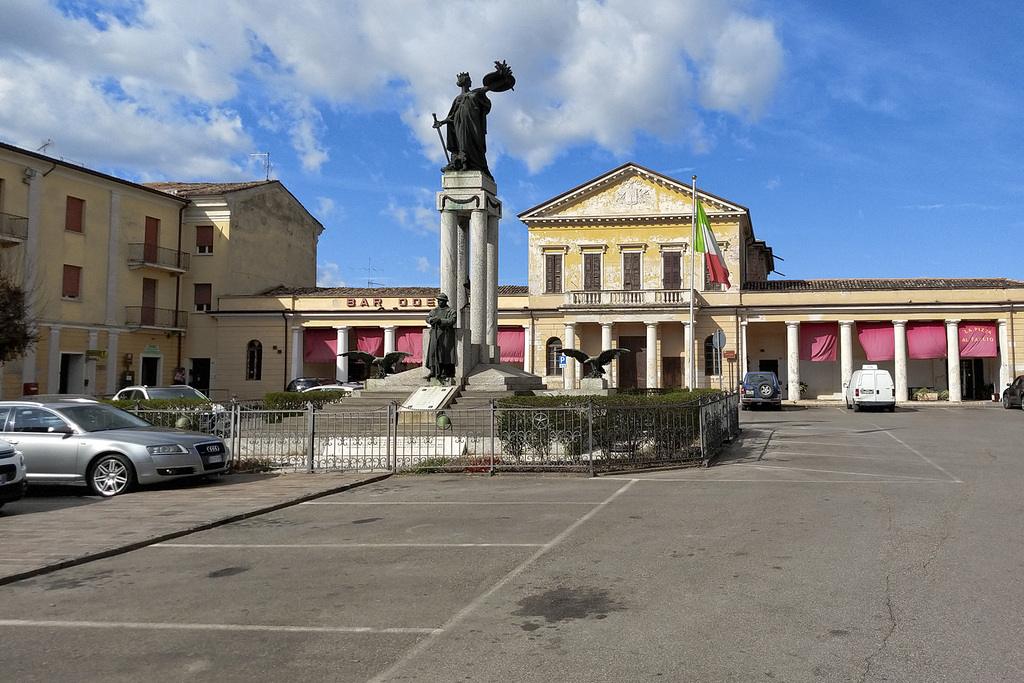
<point>120,276</point>
<point>144,279</point>
<point>610,266</point>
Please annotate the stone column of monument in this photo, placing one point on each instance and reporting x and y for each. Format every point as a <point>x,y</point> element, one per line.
<point>470,211</point>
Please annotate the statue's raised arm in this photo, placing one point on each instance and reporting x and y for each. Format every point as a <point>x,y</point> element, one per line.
<point>467,119</point>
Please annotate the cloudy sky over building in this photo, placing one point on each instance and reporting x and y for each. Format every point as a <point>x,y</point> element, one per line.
<point>870,139</point>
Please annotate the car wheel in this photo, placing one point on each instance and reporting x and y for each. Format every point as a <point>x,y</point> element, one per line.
<point>848,406</point>
<point>1006,402</point>
<point>856,407</point>
<point>110,475</point>
<point>765,390</point>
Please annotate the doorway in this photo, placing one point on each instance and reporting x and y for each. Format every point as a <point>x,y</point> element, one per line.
<point>72,373</point>
<point>630,364</point>
<point>151,371</point>
<point>972,379</point>
<point>199,375</point>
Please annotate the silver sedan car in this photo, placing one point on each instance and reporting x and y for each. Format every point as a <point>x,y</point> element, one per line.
<point>92,444</point>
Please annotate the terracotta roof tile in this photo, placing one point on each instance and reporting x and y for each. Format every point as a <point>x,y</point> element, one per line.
<point>881,284</point>
<point>204,189</point>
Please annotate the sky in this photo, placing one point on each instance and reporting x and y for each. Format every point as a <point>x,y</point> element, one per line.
<point>870,139</point>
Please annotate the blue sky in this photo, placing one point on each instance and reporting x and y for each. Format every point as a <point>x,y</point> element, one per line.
<point>868,139</point>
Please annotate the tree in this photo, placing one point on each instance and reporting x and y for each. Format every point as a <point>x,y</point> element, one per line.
<point>17,331</point>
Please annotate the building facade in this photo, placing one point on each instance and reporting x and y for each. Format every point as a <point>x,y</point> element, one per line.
<point>119,276</point>
<point>132,282</point>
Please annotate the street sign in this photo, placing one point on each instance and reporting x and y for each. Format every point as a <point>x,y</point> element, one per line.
<point>718,340</point>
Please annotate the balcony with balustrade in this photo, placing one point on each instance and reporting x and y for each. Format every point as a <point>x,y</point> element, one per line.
<point>159,258</point>
<point>158,319</point>
<point>13,229</point>
<point>627,298</point>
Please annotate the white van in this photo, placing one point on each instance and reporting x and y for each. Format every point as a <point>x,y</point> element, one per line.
<point>870,387</point>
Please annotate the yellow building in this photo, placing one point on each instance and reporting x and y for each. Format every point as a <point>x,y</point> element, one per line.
<point>119,275</point>
<point>610,265</point>
<point>145,279</point>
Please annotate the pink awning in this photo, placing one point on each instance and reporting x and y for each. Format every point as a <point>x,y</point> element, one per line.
<point>818,341</point>
<point>320,345</point>
<point>878,340</point>
<point>512,341</point>
<point>978,340</point>
<point>926,340</point>
<point>410,340</point>
<point>370,340</point>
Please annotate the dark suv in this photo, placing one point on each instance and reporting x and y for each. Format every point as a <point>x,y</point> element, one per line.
<point>760,388</point>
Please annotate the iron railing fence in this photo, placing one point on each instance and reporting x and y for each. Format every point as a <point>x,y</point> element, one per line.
<point>588,438</point>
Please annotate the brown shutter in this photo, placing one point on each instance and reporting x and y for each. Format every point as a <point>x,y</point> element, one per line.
<point>152,239</point>
<point>672,277</point>
<point>73,214</point>
<point>553,274</point>
<point>631,270</point>
<point>71,287</point>
<point>203,296</point>
<point>204,238</point>
<point>592,272</point>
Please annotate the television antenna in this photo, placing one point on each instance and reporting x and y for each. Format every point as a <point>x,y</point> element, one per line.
<point>266,161</point>
<point>47,143</point>
<point>370,270</point>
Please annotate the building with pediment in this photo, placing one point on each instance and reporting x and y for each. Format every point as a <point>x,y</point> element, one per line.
<point>611,264</point>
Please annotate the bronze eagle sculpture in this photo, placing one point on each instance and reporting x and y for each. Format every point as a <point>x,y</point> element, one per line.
<point>385,364</point>
<point>597,362</point>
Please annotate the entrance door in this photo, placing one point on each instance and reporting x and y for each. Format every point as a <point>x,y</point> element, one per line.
<point>200,377</point>
<point>151,371</point>
<point>72,373</point>
<point>149,249</point>
<point>972,378</point>
<point>633,365</point>
<point>672,372</point>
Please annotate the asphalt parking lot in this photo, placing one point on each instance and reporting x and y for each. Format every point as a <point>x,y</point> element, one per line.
<point>825,546</point>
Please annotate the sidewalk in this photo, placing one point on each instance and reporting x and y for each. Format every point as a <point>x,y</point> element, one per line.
<point>61,526</point>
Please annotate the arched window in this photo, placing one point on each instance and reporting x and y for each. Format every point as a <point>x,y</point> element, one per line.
<point>712,357</point>
<point>254,360</point>
<point>554,351</point>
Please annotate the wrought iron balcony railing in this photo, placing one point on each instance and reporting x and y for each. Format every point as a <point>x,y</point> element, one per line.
<point>156,318</point>
<point>162,258</point>
<point>13,229</point>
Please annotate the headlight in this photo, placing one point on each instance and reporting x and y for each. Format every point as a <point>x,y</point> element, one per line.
<point>168,449</point>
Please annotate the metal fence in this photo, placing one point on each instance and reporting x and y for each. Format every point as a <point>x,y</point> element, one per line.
<point>588,438</point>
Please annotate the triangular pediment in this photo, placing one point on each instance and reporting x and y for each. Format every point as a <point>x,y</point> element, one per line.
<point>629,192</point>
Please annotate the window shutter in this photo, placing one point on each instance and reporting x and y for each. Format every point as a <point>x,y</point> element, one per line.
<point>71,289</point>
<point>73,214</point>
<point>592,272</point>
<point>672,277</point>
<point>204,239</point>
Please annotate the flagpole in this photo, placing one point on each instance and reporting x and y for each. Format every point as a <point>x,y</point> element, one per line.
<point>693,242</point>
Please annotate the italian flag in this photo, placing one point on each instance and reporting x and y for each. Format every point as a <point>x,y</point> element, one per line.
<point>706,243</point>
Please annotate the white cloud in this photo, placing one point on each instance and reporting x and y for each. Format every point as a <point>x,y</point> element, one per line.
<point>329,275</point>
<point>419,217</point>
<point>184,85</point>
<point>324,206</point>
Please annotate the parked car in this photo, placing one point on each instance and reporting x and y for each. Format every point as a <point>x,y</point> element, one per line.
<point>870,387</point>
<point>103,447</point>
<point>1013,394</point>
<point>304,383</point>
<point>215,419</point>
<point>12,473</point>
<point>760,389</point>
<point>347,387</point>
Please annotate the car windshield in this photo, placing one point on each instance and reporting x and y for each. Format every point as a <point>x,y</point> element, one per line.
<point>100,417</point>
<point>184,391</point>
<point>758,377</point>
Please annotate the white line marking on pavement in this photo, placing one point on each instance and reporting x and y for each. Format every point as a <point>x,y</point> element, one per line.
<point>937,466</point>
<point>158,626</point>
<point>329,546</point>
<point>447,502</point>
<point>428,642</point>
